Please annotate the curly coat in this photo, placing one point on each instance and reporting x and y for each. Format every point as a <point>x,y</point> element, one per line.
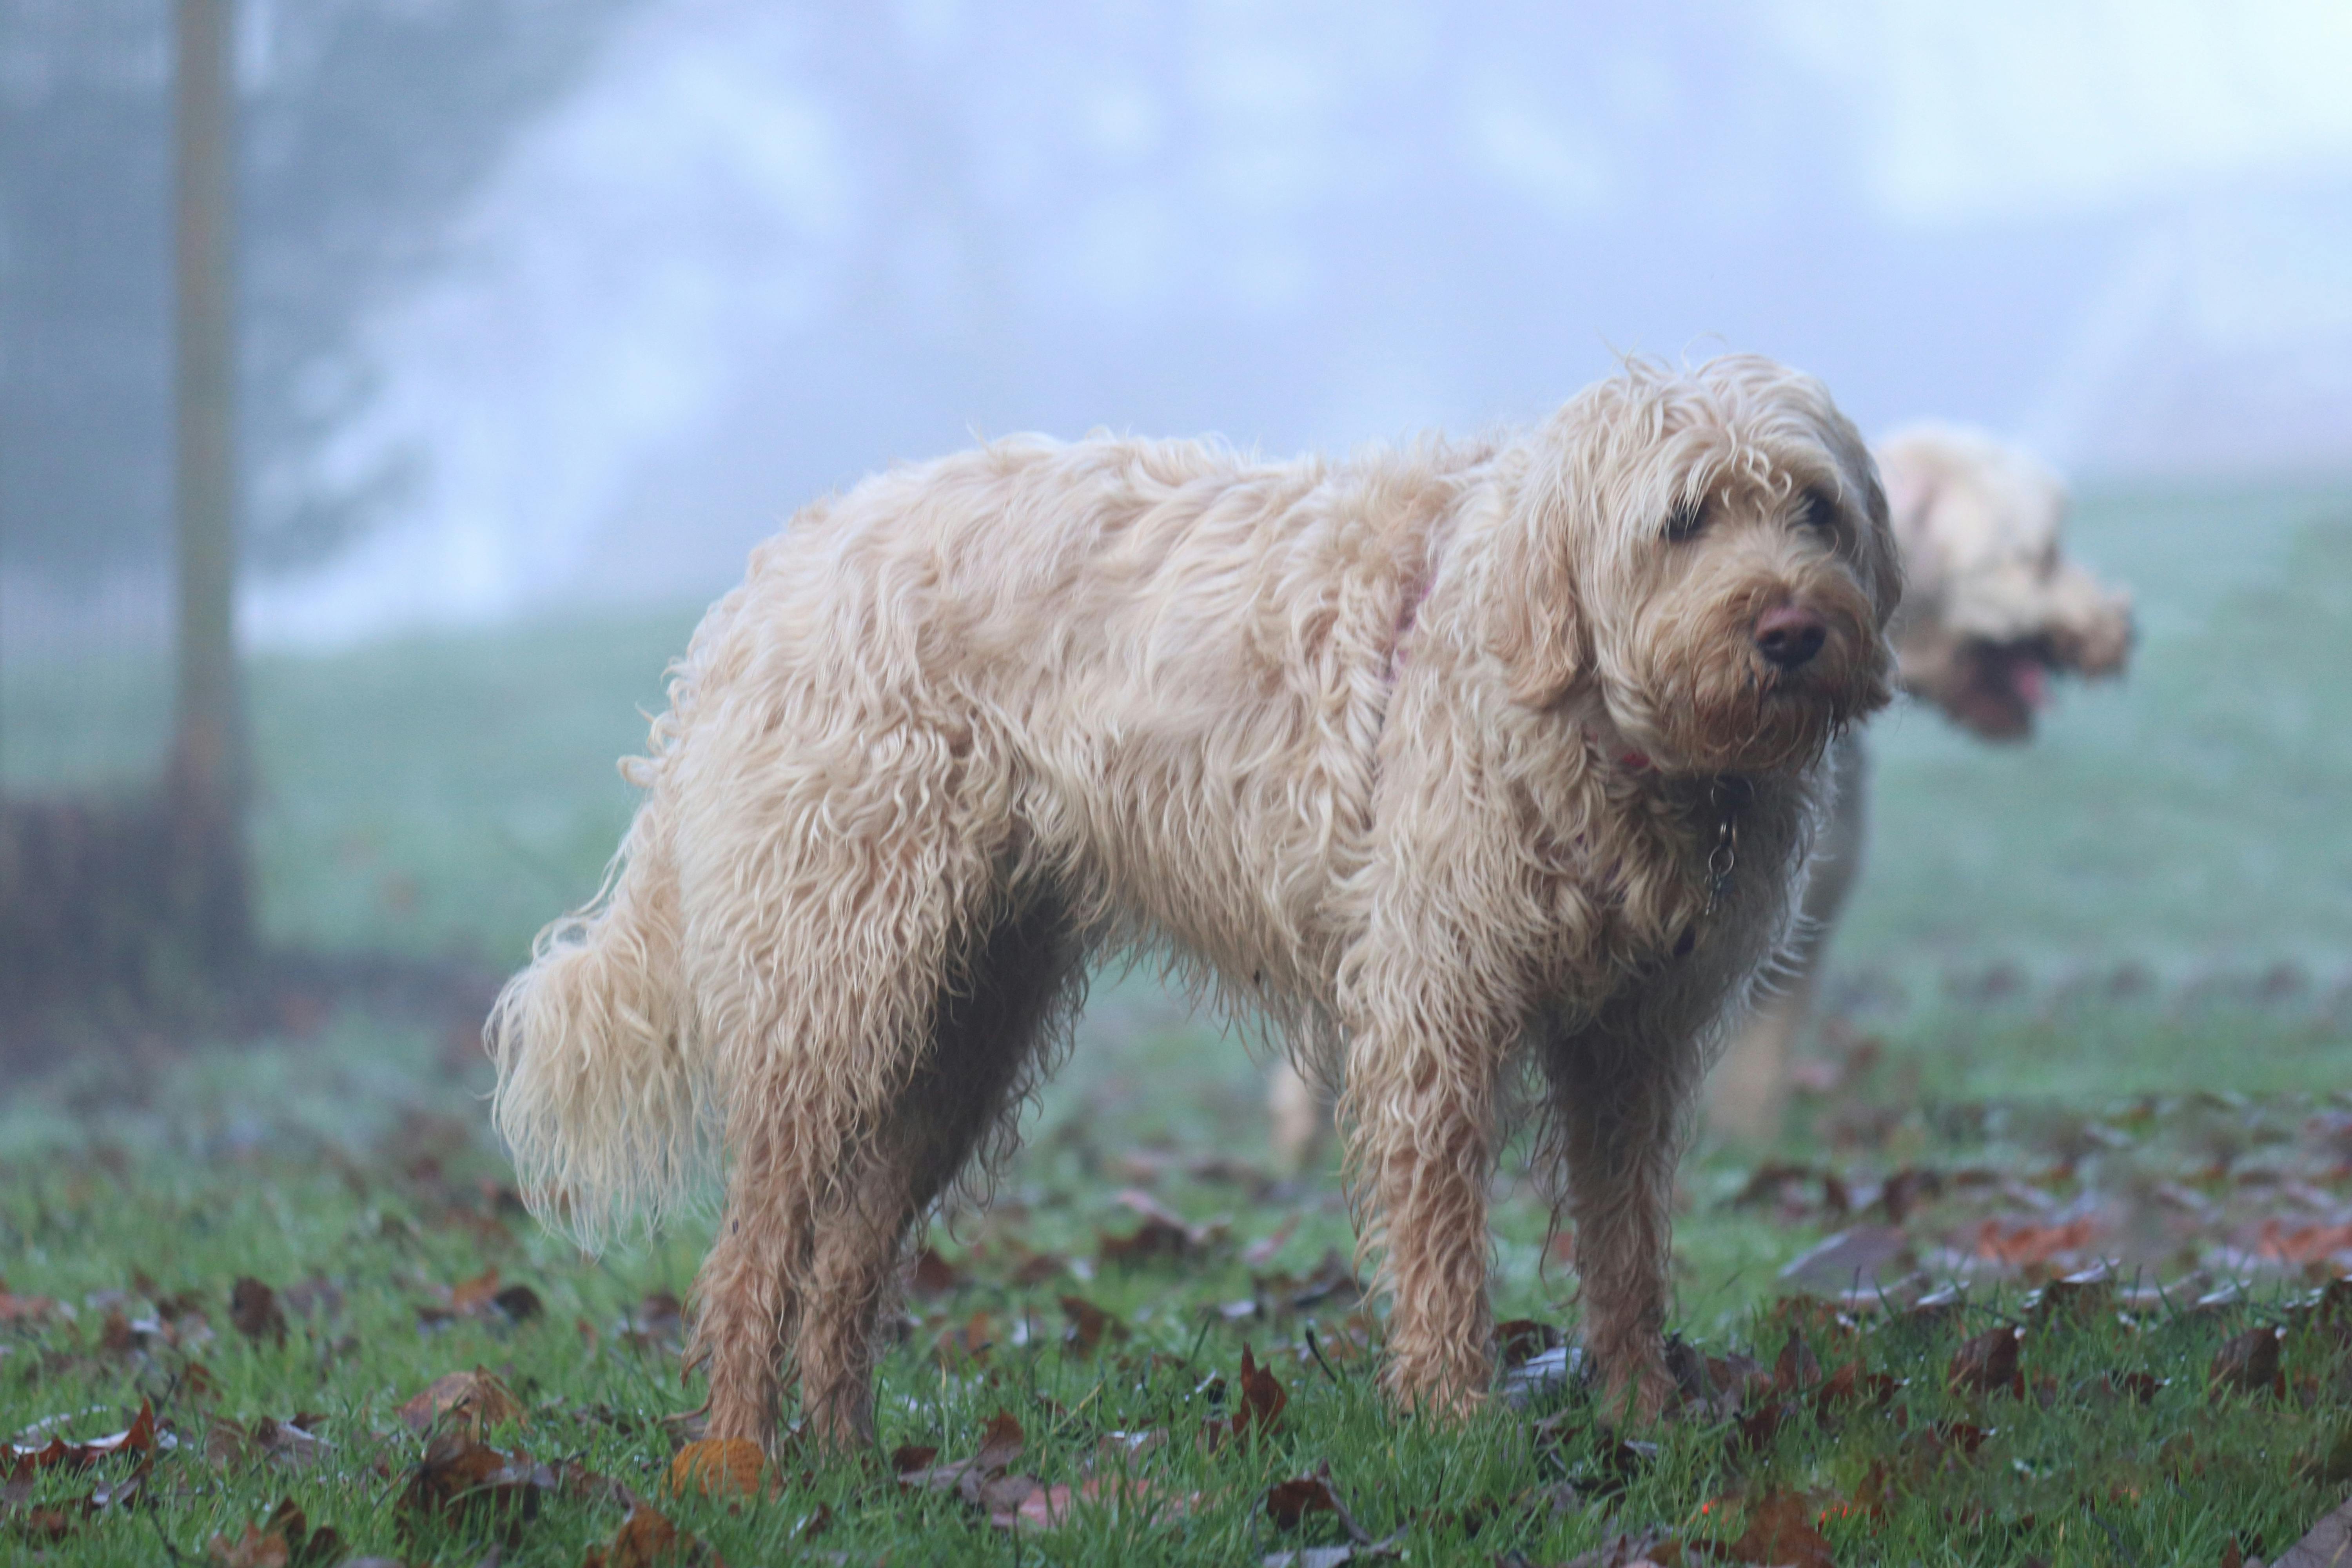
<point>1447,759</point>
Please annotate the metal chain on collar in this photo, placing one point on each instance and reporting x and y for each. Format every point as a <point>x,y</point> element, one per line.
<point>1724,857</point>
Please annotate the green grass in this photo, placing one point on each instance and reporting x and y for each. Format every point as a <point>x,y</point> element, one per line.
<point>359,1163</point>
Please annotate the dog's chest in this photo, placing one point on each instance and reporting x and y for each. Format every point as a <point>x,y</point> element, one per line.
<point>1652,876</point>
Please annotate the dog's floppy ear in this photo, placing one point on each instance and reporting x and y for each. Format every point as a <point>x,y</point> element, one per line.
<point>1539,630</point>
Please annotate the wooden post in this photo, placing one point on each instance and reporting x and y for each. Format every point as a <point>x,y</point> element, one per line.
<point>208,775</point>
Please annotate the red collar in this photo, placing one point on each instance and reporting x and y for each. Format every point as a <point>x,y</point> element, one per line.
<point>1409,613</point>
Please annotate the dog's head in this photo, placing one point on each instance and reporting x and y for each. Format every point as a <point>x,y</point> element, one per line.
<point>1995,608</point>
<point>1705,557</point>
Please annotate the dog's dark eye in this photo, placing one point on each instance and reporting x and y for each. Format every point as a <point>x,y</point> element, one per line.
<point>1685,520</point>
<point>1818,512</point>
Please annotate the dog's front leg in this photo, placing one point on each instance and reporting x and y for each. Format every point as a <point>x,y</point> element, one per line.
<point>1618,1094</point>
<point>1419,1105</point>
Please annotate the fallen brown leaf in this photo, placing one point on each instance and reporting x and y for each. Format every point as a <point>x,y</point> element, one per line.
<point>1647,1549</point>
<point>1781,1531</point>
<point>2029,1243</point>
<point>1089,1325</point>
<point>2074,1298</point>
<point>1795,1369</point>
<point>933,1276</point>
<point>1287,1502</point>
<point>1263,1397</point>
<point>980,1479</point>
<point>139,1437</point>
<point>968,1343</point>
<point>1164,1236</point>
<point>471,1296</point>
<point>647,1539</point>
<point>1988,1364</point>
<point>252,1550</point>
<point>286,1540</point>
<point>1850,1384</point>
<point>473,1399</point>
<point>1518,1340</point>
<point>717,1465</point>
<point>657,1322</point>
<point>1862,1261</point>
<point>253,1308</point>
<point>26,1309</point>
<point>2248,1364</point>
<point>458,1472</point>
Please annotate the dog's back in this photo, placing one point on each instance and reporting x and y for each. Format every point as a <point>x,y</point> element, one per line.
<point>1055,634</point>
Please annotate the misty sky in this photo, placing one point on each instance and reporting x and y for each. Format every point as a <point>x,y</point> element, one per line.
<point>760,249</point>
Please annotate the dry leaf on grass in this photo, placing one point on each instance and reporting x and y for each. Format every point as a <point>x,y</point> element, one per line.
<point>2026,1244</point>
<point>481,1296</point>
<point>1521,1339</point>
<point>1988,1364</point>
<point>1861,1260</point>
<point>459,1474</point>
<point>26,1309</point>
<point>1089,1325</point>
<point>933,1276</point>
<point>2248,1364</point>
<point>229,1445</point>
<point>287,1541</point>
<point>253,1308</point>
<point>139,1437</point>
<point>717,1465</point>
<point>1850,1384</point>
<point>647,1539</point>
<point>1796,1368</point>
<point>1287,1502</point>
<point>968,1343</point>
<point>980,1479</point>
<point>1261,1403</point>
<point>1164,1236</point>
<point>1781,1530</point>
<point>657,1322</point>
<point>1263,1397</point>
<point>1647,1549</point>
<point>2075,1298</point>
<point>473,1400</point>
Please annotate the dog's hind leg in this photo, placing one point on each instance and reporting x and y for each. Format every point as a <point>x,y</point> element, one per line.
<point>988,1033</point>
<point>1616,1106</point>
<point>833,902</point>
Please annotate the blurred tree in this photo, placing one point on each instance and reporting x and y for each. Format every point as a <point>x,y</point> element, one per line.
<point>207,884</point>
<point>365,125</point>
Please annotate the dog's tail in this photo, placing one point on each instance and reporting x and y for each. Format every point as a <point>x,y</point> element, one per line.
<point>601,1093</point>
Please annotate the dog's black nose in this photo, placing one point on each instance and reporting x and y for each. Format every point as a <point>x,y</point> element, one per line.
<point>1789,636</point>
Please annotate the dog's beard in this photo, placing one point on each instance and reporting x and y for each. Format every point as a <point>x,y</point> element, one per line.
<point>1708,701</point>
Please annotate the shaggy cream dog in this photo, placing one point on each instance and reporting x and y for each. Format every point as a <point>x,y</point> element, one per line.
<point>1992,610</point>
<point>1449,759</point>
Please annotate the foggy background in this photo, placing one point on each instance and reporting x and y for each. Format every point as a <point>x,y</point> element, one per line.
<point>551,301</point>
<point>550,309</point>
